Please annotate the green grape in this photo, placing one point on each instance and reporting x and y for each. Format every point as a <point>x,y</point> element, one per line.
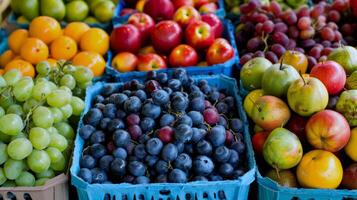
<point>65,88</point>
<point>5,138</point>
<point>60,165</point>
<point>42,117</point>
<point>77,105</point>
<point>2,82</point>
<point>20,135</point>
<point>19,148</point>
<point>6,99</point>
<point>85,84</point>
<point>2,176</point>
<point>69,69</point>
<point>83,74</point>
<point>2,112</point>
<point>58,141</point>
<point>30,104</point>
<point>39,138</point>
<point>38,161</point>
<point>9,183</point>
<point>41,181</point>
<point>66,111</point>
<point>15,109</point>
<point>58,98</point>
<point>78,92</point>
<point>56,114</point>
<point>43,68</point>
<point>25,179</point>
<point>41,90</point>
<point>52,130</point>
<point>68,81</point>
<point>40,79</point>
<point>13,76</point>
<point>54,153</point>
<point>13,168</point>
<point>3,153</point>
<point>11,124</point>
<point>46,174</point>
<point>52,85</point>
<point>65,129</point>
<point>22,89</point>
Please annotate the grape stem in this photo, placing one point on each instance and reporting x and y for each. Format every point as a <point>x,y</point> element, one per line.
<point>265,40</point>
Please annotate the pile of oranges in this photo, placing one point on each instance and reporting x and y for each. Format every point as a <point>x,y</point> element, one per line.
<point>45,40</point>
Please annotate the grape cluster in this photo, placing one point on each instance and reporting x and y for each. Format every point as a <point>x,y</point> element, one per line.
<point>268,31</point>
<point>36,135</point>
<point>165,130</point>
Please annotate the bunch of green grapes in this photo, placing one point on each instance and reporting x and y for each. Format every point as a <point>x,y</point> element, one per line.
<point>36,134</point>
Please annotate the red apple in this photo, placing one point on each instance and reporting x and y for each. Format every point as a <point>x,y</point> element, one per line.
<point>146,50</point>
<point>180,3</point>
<point>125,38</point>
<point>183,56</point>
<point>150,61</point>
<point>219,52</point>
<point>331,74</point>
<point>297,125</point>
<point>186,15</point>
<point>350,177</point>
<point>127,11</point>
<point>199,3</point>
<point>208,8</point>
<point>215,23</point>
<point>258,141</point>
<point>144,23</point>
<point>166,36</point>
<point>159,9</point>
<point>199,35</point>
<point>328,130</point>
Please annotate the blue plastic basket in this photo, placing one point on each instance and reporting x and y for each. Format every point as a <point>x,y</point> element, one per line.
<point>226,68</point>
<point>233,189</point>
<point>3,41</point>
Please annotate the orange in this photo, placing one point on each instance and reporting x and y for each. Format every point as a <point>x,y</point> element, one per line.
<point>75,30</point>
<point>2,72</point>
<point>96,40</point>
<point>63,47</point>
<point>34,50</point>
<point>25,67</point>
<point>125,62</point>
<point>350,148</point>
<point>16,39</point>
<point>52,62</point>
<point>6,57</point>
<point>45,28</point>
<point>91,60</point>
<point>319,169</point>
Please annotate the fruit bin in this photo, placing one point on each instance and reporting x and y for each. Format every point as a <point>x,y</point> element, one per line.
<point>226,68</point>
<point>3,40</point>
<point>54,189</point>
<point>233,189</point>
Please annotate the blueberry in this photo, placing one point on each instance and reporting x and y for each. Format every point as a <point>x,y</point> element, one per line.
<point>98,151</point>
<point>223,122</point>
<point>217,135</point>
<point>144,138</point>
<point>133,158</point>
<point>204,148</point>
<point>87,161</point>
<point>119,99</point>
<point>154,146</point>
<point>234,158</point>
<point>188,148</point>
<point>162,178</point>
<point>222,108</point>
<point>237,173</point>
<point>115,124</point>
<point>196,117</point>
<point>86,131</point>
<point>151,75</point>
<point>169,152</point>
<point>198,134</point>
<point>161,167</point>
<point>141,95</point>
<point>179,103</point>
<point>199,178</point>
<point>236,125</point>
<point>140,151</point>
<point>202,83</point>
<point>162,78</point>
<point>97,137</point>
<point>151,110</point>
<point>197,104</point>
<point>85,174</point>
<point>229,101</point>
<point>166,120</point>
<point>136,168</point>
<point>132,105</point>
<point>110,111</point>
<point>214,96</point>
<point>104,123</point>
<point>176,94</point>
<point>147,124</point>
<point>206,89</point>
<point>142,180</point>
<point>184,119</point>
<point>98,99</point>
<point>226,170</point>
<point>160,97</point>
<point>108,90</point>
<point>183,162</point>
<point>215,177</point>
<point>98,175</point>
<point>104,162</point>
<point>194,88</point>
<point>183,133</point>
<point>222,154</point>
<point>127,93</point>
<point>203,165</point>
<point>121,114</point>
<point>128,178</point>
<point>238,146</point>
<point>100,106</point>
<point>180,74</point>
<point>151,160</point>
<point>120,153</point>
<point>121,138</point>
<point>180,146</point>
<point>168,90</point>
<point>177,176</point>
<point>93,117</point>
<point>174,84</point>
<point>118,167</point>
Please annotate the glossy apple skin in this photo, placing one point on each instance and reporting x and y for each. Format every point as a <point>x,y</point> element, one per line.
<point>146,50</point>
<point>125,62</point>
<point>183,56</point>
<point>208,8</point>
<point>328,130</point>
<point>166,36</point>
<point>199,35</point>
<point>125,38</point>
<point>150,61</point>
<point>144,23</point>
<point>297,125</point>
<point>180,3</point>
<point>215,23</point>
<point>185,15</point>
<point>219,52</point>
<point>159,9</point>
<point>331,74</point>
<point>350,177</point>
<point>127,11</point>
<point>258,141</point>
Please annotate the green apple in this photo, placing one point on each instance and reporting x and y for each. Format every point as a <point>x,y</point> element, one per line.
<point>284,177</point>
<point>252,72</point>
<point>347,106</point>
<point>104,11</point>
<point>76,11</point>
<point>29,8</point>
<point>346,56</point>
<point>53,8</point>
<point>351,82</point>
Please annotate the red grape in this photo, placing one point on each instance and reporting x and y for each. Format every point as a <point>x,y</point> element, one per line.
<point>340,5</point>
<point>312,62</point>
<point>327,34</point>
<point>259,18</point>
<point>304,23</point>
<point>326,51</point>
<point>280,27</point>
<point>259,28</point>
<point>338,36</point>
<point>317,11</point>
<point>326,43</point>
<point>334,16</point>
<point>291,45</point>
<point>315,52</point>
<point>245,59</point>
<point>280,38</point>
<point>293,32</point>
<point>268,26</point>
<point>347,29</point>
<point>309,43</point>
<point>278,49</point>
<point>275,8</point>
<point>319,46</point>
<point>254,44</point>
<point>304,11</point>
<point>271,57</point>
<point>335,45</point>
<point>245,8</point>
<point>332,25</point>
<point>259,54</point>
<point>308,33</point>
<point>290,17</point>
<point>301,50</point>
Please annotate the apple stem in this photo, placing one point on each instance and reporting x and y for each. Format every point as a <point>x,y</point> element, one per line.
<point>302,78</point>
<point>281,63</point>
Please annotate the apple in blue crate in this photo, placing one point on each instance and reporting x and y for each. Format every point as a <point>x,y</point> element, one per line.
<point>252,72</point>
<point>215,23</point>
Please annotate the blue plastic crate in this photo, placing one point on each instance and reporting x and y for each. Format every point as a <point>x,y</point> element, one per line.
<point>233,189</point>
<point>226,68</point>
<point>3,41</point>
